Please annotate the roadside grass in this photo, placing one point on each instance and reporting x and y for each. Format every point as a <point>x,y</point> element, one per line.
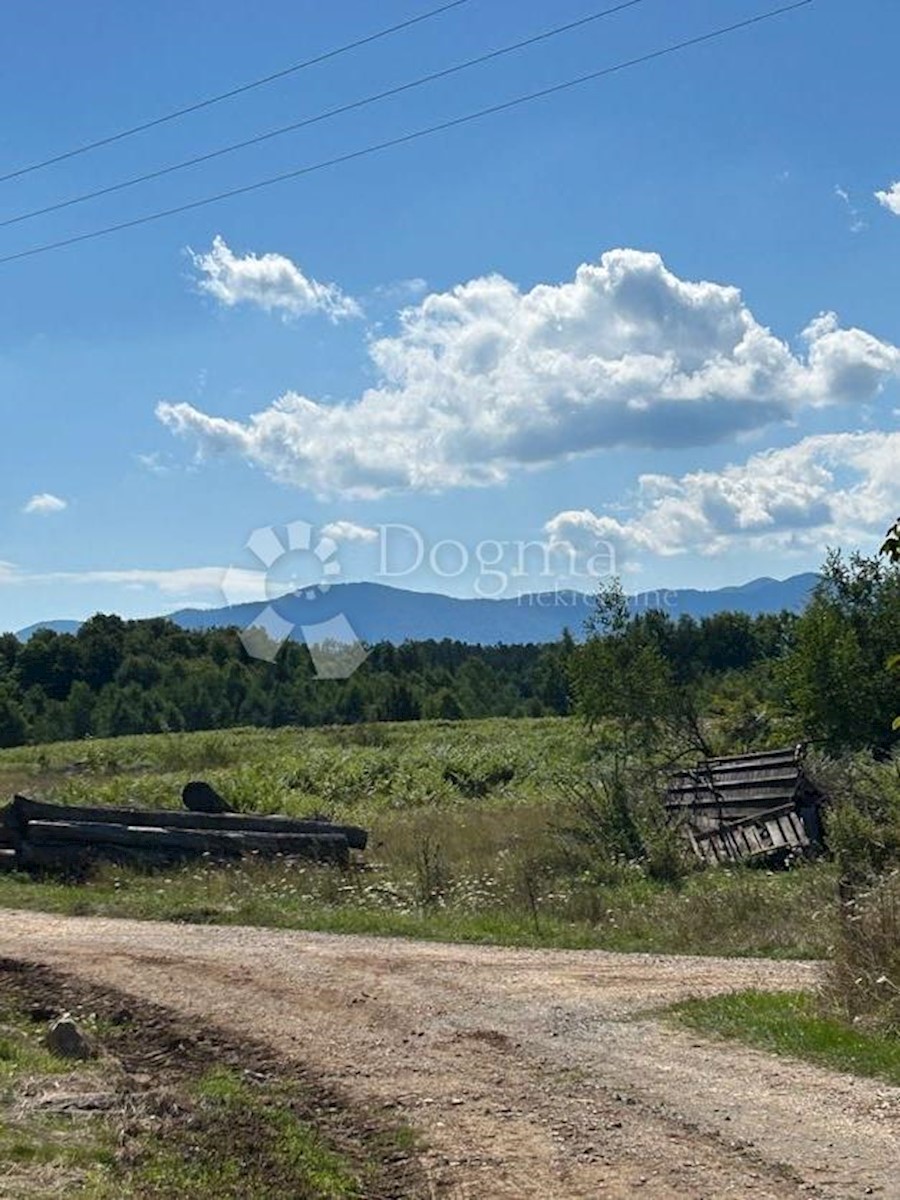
<point>791,1023</point>
<point>729,913</point>
<point>240,1142</point>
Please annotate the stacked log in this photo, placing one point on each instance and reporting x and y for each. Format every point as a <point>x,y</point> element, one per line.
<point>49,836</point>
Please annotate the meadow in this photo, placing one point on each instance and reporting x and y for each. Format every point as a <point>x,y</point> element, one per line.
<point>470,839</point>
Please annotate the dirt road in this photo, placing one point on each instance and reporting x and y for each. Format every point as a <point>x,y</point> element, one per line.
<point>531,1074</point>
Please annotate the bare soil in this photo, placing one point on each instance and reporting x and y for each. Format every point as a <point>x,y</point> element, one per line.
<point>531,1074</point>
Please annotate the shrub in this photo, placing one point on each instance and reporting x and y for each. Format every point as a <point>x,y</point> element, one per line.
<point>615,818</point>
<point>862,980</point>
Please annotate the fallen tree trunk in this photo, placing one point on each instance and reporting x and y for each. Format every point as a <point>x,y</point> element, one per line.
<point>23,812</point>
<point>96,835</point>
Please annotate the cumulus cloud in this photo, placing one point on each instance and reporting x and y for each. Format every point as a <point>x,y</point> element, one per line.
<point>830,488</point>
<point>44,503</point>
<point>486,379</point>
<point>890,198</point>
<point>269,281</point>
<point>349,531</point>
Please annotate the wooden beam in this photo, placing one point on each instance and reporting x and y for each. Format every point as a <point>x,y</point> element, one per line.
<point>23,811</point>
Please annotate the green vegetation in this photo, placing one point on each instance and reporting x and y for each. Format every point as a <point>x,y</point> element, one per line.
<point>540,830</point>
<point>837,677</point>
<point>242,1142</point>
<point>791,1023</point>
<point>35,1145</point>
<point>476,835</point>
<point>117,677</point>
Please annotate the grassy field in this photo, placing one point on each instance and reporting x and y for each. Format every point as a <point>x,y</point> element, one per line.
<point>465,821</point>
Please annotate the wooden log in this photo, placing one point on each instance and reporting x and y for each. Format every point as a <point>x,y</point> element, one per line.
<point>76,860</point>
<point>23,811</point>
<point>322,847</point>
<point>9,860</point>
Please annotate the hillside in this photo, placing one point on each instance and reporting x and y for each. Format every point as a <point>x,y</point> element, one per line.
<point>378,613</point>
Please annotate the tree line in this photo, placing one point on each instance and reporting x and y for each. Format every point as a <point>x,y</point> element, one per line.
<point>826,671</point>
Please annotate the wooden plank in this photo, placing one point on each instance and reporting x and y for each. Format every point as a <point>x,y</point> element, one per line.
<point>734,783</point>
<point>325,847</point>
<point>24,810</point>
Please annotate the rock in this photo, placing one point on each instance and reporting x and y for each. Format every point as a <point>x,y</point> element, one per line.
<point>203,798</point>
<point>65,1039</point>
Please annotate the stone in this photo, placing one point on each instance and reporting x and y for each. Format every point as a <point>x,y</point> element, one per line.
<point>66,1040</point>
<point>202,797</point>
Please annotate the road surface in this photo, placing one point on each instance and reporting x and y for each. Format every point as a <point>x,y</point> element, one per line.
<point>530,1073</point>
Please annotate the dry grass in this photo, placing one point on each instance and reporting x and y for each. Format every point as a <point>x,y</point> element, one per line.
<point>862,982</point>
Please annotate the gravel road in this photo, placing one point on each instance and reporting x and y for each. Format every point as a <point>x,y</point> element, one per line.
<point>530,1074</point>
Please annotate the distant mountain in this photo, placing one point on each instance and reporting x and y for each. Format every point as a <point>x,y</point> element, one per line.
<point>57,626</point>
<point>377,613</point>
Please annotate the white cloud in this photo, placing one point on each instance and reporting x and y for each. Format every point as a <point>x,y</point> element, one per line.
<point>402,290</point>
<point>271,282</point>
<point>349,531</point>
<point>485,379</point>
<point>857,224</point>
<point>890,198</point>
<point>178,581</point>
<point>44,503</point>
<point>838,488</point>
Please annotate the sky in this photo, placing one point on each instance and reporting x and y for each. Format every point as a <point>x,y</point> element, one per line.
<point>645,326</point>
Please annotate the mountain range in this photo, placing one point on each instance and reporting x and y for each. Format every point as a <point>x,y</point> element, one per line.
<point>377,613</point>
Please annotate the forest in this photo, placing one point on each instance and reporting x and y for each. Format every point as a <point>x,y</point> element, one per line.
<point>822,675</point>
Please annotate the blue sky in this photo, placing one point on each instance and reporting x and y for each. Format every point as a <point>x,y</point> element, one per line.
<point>573,364</point>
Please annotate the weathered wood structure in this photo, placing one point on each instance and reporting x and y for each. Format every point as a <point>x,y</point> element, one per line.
<point>35,834</point>
<point>749,806</point>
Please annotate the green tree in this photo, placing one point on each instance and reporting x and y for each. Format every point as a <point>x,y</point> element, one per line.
<point>619,673</point>
<point>891,551</point>
<point>838,682</point>
<point>13,723</point>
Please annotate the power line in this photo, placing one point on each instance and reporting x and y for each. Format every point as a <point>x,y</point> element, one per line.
<point>403,139</point>
<point>319,117</point>
<point>209,101</point>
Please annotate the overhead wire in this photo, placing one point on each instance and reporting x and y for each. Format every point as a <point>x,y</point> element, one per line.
<point>306,122</point>
<point>415,135</point>
<point>242,88</point>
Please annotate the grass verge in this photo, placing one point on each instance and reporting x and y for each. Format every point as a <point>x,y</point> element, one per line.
<point>740,913</point>
<point>789,1023</point>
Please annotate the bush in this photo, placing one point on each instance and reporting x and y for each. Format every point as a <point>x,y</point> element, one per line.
<point>862,819</point>
<point>862,980</point>
<point>616,819</point>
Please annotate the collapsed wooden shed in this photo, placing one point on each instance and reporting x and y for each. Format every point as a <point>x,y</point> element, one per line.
<point>748,806</point>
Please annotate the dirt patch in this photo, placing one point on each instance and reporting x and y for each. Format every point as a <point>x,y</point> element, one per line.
<point>151,1058</point>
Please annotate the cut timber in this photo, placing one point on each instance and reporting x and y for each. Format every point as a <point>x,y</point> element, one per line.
<point>9,860</point>
<point>23,811</point>
<point>96,836</point>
